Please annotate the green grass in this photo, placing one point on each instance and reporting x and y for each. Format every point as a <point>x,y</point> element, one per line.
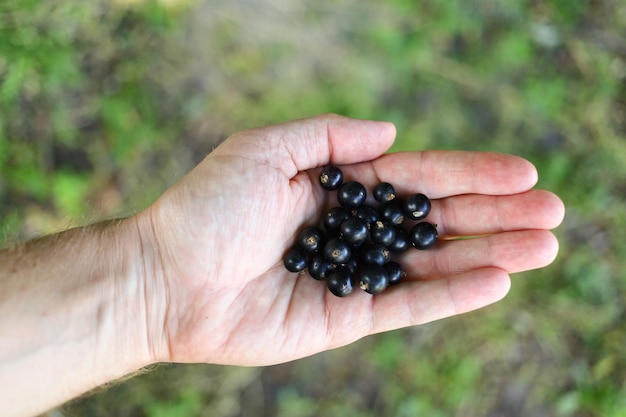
<point>99,101</point>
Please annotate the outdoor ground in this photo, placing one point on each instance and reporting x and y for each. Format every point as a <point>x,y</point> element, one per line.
<point>104,104</point>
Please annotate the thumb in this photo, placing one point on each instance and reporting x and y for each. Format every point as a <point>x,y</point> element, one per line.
<point>309,143</point>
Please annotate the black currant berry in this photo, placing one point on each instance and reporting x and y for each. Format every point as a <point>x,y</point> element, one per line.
<point>382,233</point>
<point>416,206</point>
<point>368,213</point>
<point>373,279</point>
<point>394,272</point>
<point>356,242</point>
<point>423,235</point>
<point>384,192</point>
<point>355,231</point>
<point>331,178</point>
<point>334,218</point>
<point>319,267</point>
<point>375,255</point>
<point>339,282</point>
<point>392,212</point>
<point>401,242</point>
<point>351,194</point>
<point>296,260</point>
<point>351,265</point>
<point>337,251</point>
<point>311,239</point>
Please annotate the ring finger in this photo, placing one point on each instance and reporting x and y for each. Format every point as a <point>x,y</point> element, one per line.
<point>510,251</point>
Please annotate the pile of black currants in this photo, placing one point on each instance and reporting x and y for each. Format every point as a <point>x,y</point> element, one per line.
<point>358,240</point>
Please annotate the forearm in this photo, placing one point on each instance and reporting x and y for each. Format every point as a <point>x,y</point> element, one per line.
<point>72,315</point>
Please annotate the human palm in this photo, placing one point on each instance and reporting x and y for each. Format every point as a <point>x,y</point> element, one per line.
<point>222,231</point>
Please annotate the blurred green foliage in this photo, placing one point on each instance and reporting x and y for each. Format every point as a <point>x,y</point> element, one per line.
<point>80,97</point>
<point>100,99</point>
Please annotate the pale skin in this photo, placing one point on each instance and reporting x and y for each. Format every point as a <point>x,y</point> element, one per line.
<point>197,277</point>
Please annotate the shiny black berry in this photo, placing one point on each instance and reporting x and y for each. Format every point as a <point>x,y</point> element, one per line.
<point>296,260</point>
<point>334,218</point>
<point>355,231</point>
<point>337,251</point>
<point>401,242</point>
<point>351,195</point>
<point>311,239</point>
<point>384,192</point>
<point>392,212</point>
<point>383,233</point>
<point>394,272</point>
<point>319,267</point>
<point>416,206</point>
<point>339,282</point>
<point>351,265</point>
<point>331,178</point>
<point>355,244</point>
<point>368,213</point>
<point>373,279</point>
<point>375,255</point>
<point>423,235</point>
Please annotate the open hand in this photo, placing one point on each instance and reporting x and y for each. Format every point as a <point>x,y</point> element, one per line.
<point>217,290</point>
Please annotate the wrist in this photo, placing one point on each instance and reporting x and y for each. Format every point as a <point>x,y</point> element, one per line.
<point>148,270</point>
<point>124,321</point>
<point>73,312</point>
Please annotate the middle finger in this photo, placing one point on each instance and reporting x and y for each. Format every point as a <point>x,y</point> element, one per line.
<point>473,214</point>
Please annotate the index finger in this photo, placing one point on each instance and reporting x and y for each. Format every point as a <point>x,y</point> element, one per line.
<point>445,173</point>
